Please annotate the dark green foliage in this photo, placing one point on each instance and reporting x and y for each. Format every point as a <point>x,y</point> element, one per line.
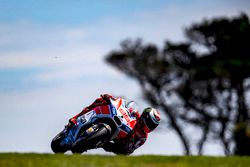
<point>204,89</point>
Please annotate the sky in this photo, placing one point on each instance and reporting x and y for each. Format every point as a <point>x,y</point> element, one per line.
<point>52,61</point>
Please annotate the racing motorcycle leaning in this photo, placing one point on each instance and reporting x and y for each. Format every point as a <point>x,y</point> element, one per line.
<point>102,124</point>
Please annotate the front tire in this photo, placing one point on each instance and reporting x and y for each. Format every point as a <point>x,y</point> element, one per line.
<point>56,143</point>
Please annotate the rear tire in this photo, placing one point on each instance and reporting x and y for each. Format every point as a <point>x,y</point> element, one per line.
<point>100,134</point>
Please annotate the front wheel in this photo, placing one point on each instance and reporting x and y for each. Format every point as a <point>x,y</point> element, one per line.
<point>56,145</point>
<point>95,134</point>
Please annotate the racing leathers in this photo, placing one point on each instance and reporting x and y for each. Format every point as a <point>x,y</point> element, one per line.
<point>123,145</point>
<point>128,144</point>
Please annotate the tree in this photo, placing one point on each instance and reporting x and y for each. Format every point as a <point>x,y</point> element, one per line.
<point>199,83</point>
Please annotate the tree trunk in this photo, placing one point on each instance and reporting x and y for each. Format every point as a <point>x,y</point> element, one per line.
<point>242,140</point>
<point>179,132</point>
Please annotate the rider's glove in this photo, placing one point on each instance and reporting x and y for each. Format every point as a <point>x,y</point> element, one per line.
<point>107,97</point>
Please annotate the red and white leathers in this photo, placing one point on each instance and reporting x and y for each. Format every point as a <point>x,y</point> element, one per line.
<point>125,143</point>
<point>128,144</point>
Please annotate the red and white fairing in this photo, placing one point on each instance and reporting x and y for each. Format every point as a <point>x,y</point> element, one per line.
<point>117,111</point>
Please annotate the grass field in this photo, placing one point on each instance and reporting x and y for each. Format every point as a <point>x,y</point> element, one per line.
<point>52,160</point>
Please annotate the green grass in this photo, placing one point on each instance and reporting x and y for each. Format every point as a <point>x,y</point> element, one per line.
<point>52,160</point>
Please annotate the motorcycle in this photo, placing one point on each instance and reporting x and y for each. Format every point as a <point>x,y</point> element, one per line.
<point>92,129</point>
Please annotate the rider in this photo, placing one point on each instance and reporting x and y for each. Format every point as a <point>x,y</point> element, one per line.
<point>145,123</point>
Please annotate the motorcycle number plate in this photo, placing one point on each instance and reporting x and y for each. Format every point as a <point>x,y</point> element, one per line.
<point>81,120</point>
<point>89,115</point>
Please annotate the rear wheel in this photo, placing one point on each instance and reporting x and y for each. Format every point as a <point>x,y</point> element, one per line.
<point>99,133</point>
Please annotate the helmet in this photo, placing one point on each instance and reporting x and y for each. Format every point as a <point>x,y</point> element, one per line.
<point>150,119</point>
